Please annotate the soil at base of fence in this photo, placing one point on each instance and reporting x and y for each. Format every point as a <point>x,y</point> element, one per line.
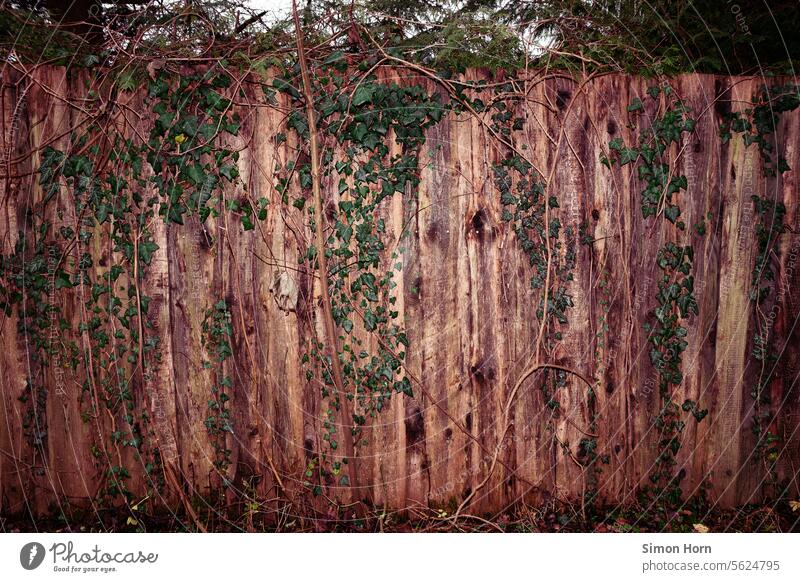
<point>778,517</point>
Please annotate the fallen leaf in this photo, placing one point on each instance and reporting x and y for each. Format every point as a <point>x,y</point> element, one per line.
<point>795,505</point>
<point>154,66</point>
<point>700,528</point>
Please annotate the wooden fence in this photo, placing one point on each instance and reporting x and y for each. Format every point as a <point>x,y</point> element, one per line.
<point>467,305</point>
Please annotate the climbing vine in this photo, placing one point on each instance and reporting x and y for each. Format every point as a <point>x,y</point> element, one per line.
<point>676,300</point>
<point>118,185</point>
<point>122,184</point>
<point>551,250</point>
<point>217,332</point>
<point>758,125</point>
<point>380,127</point>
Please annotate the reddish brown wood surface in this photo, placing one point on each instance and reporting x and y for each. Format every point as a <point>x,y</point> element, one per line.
<point>466,301</point>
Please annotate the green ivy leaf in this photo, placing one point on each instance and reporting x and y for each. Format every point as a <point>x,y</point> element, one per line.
<point>635,105</point>
<point>672,213</point>
<point>62,280</point>
<point>146,250</point>
<point>627,156</point>
<point>363,94</point>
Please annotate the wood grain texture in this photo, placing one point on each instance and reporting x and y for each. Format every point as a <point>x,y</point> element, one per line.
<point>465,299</point>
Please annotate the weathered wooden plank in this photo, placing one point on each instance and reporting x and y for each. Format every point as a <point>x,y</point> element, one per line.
<point>16,490</point>
<point>728,418</point>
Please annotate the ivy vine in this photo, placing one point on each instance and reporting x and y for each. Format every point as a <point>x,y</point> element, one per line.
<point>676,301</point>
<point>758,125</point>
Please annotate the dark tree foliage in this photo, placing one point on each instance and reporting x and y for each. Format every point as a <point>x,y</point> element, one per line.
<point>702,35</point>
<point>681,35</point>
<point>647,37</point>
